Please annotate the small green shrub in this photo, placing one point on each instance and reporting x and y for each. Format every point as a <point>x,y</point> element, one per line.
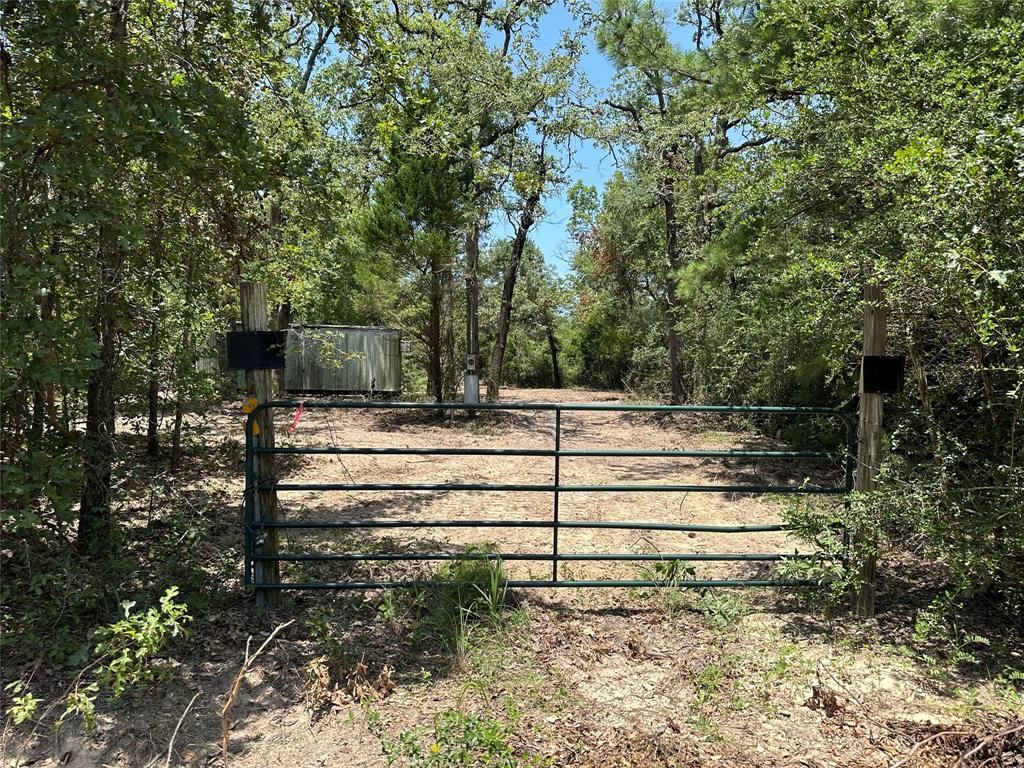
<point>24,703</point>
<point>672,596</point>
<point>721,609</point>
<point>129,645</point>
<point>124,656</point>
<point>457,740</point>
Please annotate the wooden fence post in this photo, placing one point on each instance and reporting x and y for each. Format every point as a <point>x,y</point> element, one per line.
<point>869,446</point>
<point>253,298</point>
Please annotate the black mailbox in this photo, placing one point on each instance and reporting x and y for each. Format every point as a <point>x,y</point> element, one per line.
<point>255,350</point>
<point>883,375</point>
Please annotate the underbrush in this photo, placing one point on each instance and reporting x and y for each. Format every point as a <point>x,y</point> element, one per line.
<point>52,597</point>
<point>955,612</point>
<point>719,608</point>
<point>434,624</point>
<point>79,630</point>
<point>456,740</point>
<point>120,655</point>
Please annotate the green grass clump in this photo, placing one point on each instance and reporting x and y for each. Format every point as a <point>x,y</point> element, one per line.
<point>457,740</point>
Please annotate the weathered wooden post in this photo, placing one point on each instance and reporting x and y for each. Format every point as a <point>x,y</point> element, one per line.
<point>253,298</point>
<point>869,446</point>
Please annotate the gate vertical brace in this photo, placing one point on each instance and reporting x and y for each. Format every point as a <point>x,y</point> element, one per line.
<point>554,508</point>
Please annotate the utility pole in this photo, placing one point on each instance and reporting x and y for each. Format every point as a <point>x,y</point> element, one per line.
<point>253,298</point>
<point>869,446</point>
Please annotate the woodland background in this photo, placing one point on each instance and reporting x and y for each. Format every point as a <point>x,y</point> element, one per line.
<point>355,156</point>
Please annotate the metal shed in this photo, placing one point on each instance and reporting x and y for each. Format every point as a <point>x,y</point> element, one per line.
<point>343,359</point>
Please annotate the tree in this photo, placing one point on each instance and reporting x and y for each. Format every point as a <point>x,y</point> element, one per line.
<point>80,145</point>
<point>683,115</point>
<point>415,218</point>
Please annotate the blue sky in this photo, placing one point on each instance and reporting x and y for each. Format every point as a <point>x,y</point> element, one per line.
<point>592,164</point>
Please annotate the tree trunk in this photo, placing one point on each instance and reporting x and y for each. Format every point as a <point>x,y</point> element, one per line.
<point>672,303</point>
<point>553,347</point>
<point>494,370</point>
<point>153,390</point>
<point>185,357</point>
<point>435,377</point>
<point>95,518</point>
<point>49,395</point>
<point>284,320</point>
<point>471,388</point>
<point>95,521</point>
<point>449,370</point>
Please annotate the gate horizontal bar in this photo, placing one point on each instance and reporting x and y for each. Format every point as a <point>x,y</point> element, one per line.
<point>548,488</point>
<point>689,584</point>
<point>794,410</point>
<point>639,526</point>
<point>549,452</point>
<point>538,557</point>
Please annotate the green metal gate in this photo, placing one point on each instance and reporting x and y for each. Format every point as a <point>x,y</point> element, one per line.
<point>255,525</point>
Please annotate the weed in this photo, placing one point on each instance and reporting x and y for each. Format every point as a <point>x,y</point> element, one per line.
<point>503,663</point>
<point>721,609</point>
<point>457,740</point>
<point>319,623</point>
<point>790,662</point>
<point>464,594</point>
<point>707,685</point>
<point>468,592</point>
<point>387,610</point>
<point>125,654</point>
<point>24,703</point>
<point>1009,687</point>
<point>703,724</point>
<point>672,596</point>
<point>939,625</point>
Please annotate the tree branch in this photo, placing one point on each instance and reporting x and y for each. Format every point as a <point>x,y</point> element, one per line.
<point>629,109</point>
<point>321,41</point>
<point>747,145</point>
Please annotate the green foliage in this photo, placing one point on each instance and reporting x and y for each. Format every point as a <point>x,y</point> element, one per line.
<point>124,656</point>
<point>129,645</point>
<point>471,591</point>
<point>721,609</point>
<point>24,704</point>
<point>825,526</point>
<point>880,145</point>
<point>458,740</point>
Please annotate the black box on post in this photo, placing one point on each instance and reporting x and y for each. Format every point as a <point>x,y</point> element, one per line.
<point>883,374</point>
<point>255,350</point>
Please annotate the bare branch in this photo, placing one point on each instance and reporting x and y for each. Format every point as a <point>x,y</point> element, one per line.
<point>629,109</point>
<point>747,145</point>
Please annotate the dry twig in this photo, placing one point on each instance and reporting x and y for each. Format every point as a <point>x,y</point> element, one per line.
<point>170,746</point>
<point>236,684</point>
<point>917,747</point>
<point>987,741</point>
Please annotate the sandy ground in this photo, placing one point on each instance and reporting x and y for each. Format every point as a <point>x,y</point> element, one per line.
<point>584,677</point>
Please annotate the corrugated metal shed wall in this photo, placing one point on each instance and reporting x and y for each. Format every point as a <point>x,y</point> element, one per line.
<point>337,358</point>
